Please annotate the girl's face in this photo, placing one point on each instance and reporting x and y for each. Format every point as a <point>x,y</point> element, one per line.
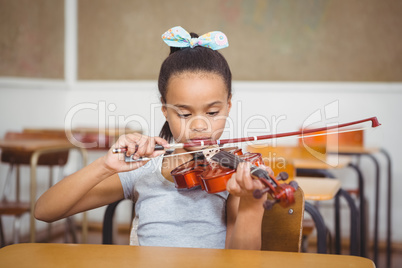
<point>197,105</point>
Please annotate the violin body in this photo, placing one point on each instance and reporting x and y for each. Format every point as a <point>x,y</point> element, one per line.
<point>210,175</point>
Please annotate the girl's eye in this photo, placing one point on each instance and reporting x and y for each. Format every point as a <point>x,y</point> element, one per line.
<point>213,113</point>
<point>184,115</point>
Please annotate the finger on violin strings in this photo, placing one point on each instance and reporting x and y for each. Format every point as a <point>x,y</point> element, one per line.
<point>269,170</point>
<point>232,186</point>
<point>243,176</point>
<point>258,184</point>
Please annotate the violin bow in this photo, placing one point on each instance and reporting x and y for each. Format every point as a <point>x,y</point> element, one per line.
<point>374,123</point>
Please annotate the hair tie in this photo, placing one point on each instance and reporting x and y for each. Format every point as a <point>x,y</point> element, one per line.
<point>178,37</point>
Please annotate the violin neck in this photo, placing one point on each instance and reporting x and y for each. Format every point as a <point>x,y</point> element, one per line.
<point>263,175</point>
<point>231,161</point>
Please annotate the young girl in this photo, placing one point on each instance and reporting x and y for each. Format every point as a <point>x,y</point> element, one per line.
<point>195,87</point>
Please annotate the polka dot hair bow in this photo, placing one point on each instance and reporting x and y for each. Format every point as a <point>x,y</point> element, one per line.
<point>178,37</point>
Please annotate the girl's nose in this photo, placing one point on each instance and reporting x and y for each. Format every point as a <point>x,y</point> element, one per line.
<point>199,124</point>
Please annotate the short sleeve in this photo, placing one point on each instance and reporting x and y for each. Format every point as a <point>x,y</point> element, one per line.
<point>127,182</point>
<point>128,179</point>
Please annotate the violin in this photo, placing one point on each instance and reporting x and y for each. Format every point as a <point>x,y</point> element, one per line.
<point>212,176</point>
<point>212,168</point>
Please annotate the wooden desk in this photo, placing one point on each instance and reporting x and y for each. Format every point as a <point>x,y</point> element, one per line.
<point>37,148</point>
<point>318,189</point>
<point>74,255</point>
<point>91,138</point>
<point>332,161</point>
<point>353,150</point>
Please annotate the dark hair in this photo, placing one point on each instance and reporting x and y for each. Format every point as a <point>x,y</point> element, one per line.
<point>197,59</point>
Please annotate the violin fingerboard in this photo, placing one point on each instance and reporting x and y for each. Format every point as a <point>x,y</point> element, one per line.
<point>262,174</point>
<point>227,159</point>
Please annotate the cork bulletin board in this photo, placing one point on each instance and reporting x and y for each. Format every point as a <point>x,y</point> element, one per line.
<point>314,40</point>
<point>32,38</point>
<point>269,40</point>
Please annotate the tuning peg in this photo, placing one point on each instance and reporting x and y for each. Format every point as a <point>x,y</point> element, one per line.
<point>258,193</point>
<point>294,184</point>
<point>282,176</point>
<point>269,203</point>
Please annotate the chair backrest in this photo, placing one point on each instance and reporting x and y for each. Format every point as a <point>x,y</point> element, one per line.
<point>282,227</point>
<point>107,229</point>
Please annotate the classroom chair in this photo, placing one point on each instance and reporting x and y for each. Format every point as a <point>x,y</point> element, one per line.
<point>11,208</point>
<point>16,158</point>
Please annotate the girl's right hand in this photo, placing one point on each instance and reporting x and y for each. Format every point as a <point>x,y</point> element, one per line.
<point>137,146</point>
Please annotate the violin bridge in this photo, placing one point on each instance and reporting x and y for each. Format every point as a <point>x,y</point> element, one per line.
<point>210,152</point>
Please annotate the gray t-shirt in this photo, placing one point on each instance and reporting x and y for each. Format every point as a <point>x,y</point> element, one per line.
<point>171,217</point>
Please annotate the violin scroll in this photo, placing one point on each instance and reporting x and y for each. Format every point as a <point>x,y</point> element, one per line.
<point>285,197</point>
<point>281,193</point>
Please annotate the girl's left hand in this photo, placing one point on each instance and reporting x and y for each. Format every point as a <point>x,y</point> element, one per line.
<point>241,183</point>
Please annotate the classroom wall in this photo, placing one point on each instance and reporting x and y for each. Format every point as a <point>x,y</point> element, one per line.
<point>341,60</point>
<point>269,40</point>
<point>288,103</point>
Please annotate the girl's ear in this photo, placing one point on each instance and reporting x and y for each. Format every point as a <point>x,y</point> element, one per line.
<point>164,109</point>
<point>229,103</point>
